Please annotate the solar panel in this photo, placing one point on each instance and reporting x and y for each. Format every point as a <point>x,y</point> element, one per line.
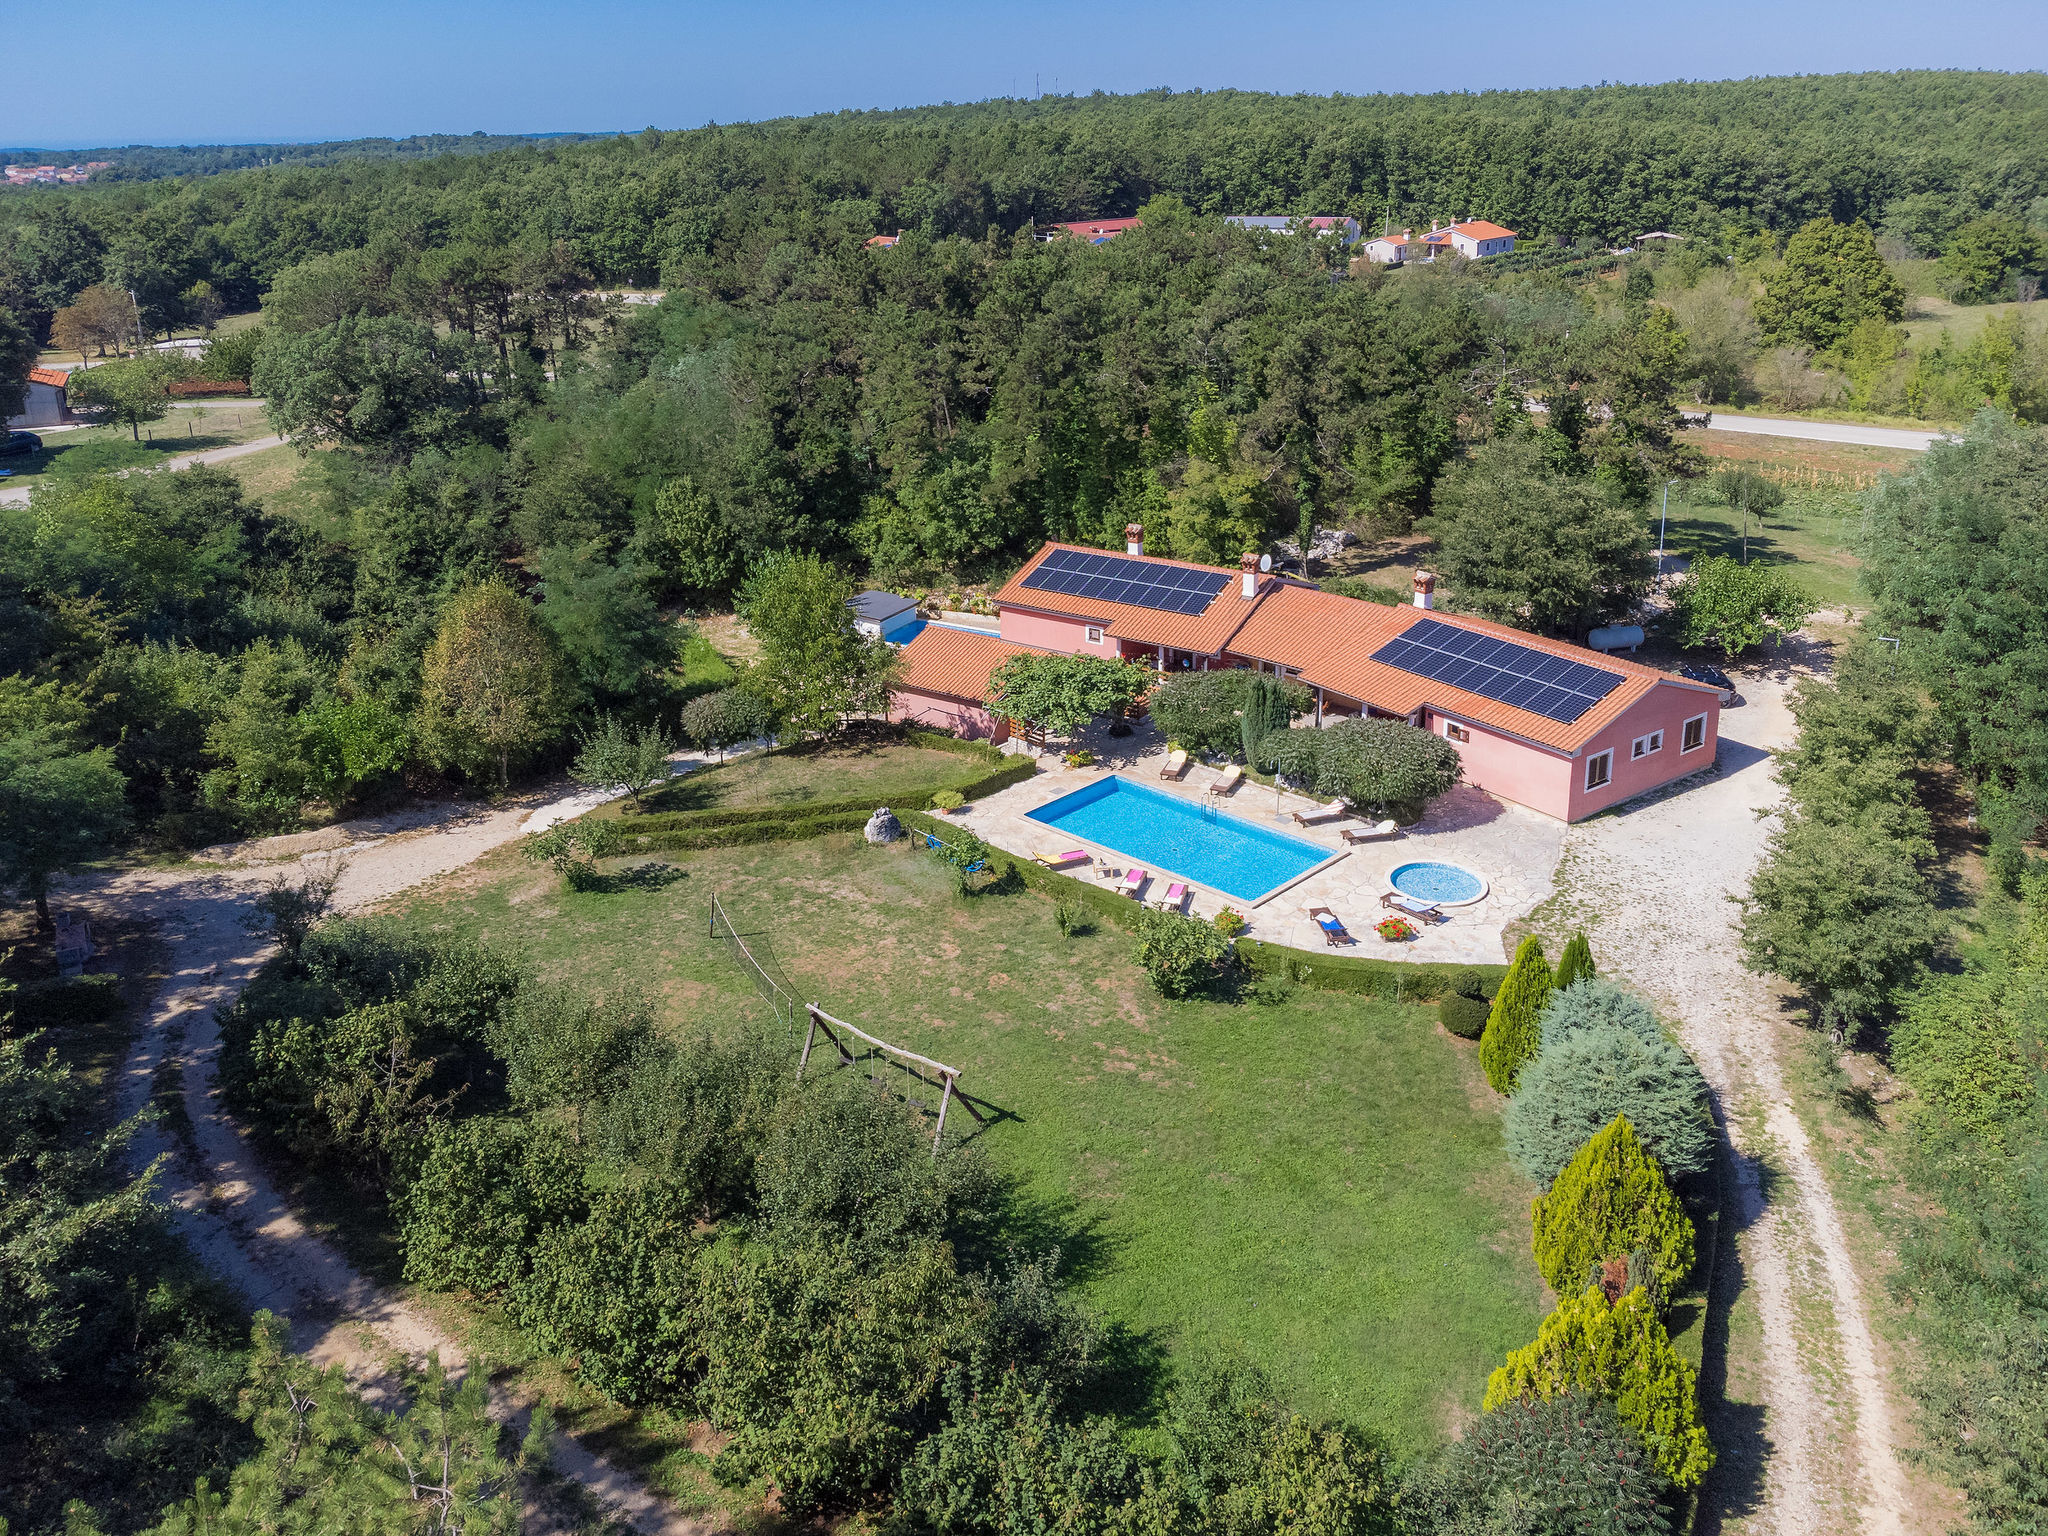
<point>1516,675</point>
<point>1120,579</point>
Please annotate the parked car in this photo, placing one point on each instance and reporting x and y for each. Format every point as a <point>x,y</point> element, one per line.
<point>21,442</point>
<point>1719,679</point>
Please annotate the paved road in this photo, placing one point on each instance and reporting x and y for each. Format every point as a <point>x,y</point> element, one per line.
<point>17,495</point>
<point>1825,431</point>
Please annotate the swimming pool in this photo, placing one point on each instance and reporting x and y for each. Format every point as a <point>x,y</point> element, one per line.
<point>1448,885</point>
<point>1169,835</point>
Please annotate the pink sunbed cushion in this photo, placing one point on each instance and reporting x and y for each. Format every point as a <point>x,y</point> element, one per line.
<point>1176,890</point>
<point>1135,877</point>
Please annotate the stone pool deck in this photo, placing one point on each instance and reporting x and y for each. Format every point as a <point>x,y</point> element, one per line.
<point>1515,849</point>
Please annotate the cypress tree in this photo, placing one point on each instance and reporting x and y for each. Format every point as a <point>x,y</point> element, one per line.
<point>1512,1033</point>
<point>1610,1201</point>
<point>1575,964</point>
<point>1623,1354</point>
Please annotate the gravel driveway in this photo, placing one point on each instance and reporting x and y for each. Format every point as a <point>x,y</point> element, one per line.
<point>1807,1427</point>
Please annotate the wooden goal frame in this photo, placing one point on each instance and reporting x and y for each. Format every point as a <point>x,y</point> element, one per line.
<point>823,1023</point>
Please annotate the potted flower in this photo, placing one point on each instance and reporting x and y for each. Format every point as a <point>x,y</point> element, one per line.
<point>1230,924</point>
<point>947,801</point>
<point>1394,929</point>
<point>1080,759</point>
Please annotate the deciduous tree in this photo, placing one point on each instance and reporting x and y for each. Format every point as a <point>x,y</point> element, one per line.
<point>1380,766</point>
<point>1832,277</point>
<point>59,807</point>
<point>1734,608</point>
<point>814,668</point>
<point>493,686</point>
<point>1061,694</point>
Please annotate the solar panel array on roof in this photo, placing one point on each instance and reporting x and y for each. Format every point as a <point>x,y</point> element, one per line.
<point>1118,579</point>
<point>1517,675</point>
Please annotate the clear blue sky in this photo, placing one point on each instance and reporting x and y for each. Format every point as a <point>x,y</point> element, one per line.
<point>238,71</point>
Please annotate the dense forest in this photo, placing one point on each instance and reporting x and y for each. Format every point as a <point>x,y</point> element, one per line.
<point>152,162</point>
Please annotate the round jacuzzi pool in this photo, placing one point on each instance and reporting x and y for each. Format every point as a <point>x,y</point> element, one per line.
<point>1448,885</point>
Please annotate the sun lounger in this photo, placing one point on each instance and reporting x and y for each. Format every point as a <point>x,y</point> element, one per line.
<point>1372,834</point>
<point>1176,897</point>
<point>1133,882</point>
<point>1227,780</point>
<point>1330,812</point>
<point>1428,911</point>
<point>1334,931</point>
<point>1073,858</point>
<point>1176,764</point>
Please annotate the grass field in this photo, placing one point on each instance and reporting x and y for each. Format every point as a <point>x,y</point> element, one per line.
<point>1318,1178</point>
<point>885,771</point>
<point>182,431</point>
<point>1814,532</point>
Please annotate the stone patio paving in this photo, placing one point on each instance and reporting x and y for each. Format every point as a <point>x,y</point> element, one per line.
<point>1515,849</point>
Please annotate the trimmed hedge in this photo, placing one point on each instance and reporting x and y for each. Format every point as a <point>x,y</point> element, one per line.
<point>740,833</point>
<point>1464,1017</point>
<point>67,1001</point>
<point>1400,979</point>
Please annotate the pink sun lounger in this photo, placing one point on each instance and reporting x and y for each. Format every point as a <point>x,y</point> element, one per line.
<point>1134,882</point>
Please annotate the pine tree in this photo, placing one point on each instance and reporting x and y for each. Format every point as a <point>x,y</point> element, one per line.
<point>1610,1201</point>
<point>1621,1353</point>
<point>1575,964</point>
<point>1512,1034</point>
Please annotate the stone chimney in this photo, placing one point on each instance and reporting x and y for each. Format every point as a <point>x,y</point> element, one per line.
<point>1407,235</point>
<point>1134,538</point>
<point>1249,564</point>
<point>1425,590</point>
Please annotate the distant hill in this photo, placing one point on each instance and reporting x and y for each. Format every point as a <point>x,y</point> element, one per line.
<point>152,162</point>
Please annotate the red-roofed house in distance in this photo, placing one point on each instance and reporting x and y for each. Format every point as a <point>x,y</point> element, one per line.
<point>1094,231</point>
<point>1473,238</point>
<point>1550,725</point>
<point>1343,226</point>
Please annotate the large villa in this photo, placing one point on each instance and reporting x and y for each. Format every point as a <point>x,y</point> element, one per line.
<point>1552,726</point>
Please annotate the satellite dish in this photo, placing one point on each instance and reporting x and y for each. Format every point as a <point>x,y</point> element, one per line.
<point>1265,562</point>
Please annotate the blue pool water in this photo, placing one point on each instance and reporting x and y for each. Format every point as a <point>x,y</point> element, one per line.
<point>1436,882</point>
<point>1164,833</point>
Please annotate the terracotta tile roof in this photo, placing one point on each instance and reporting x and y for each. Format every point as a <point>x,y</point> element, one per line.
<point>1329,641</point>
<point>53,376</point>
<point>1480,229</point>
<point>1204,633</point>
<point>954,663</point>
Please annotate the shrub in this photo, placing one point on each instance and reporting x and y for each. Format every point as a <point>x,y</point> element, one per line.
<point>1595,1003</point>
<point>66,1001</point>
<point>694,1115</point>
<point>717,720</point>
<point>565,1049</point>
<point>1575,964</point>
<point>1467,982</point>
<point>573,849</point>
<point>1511,1036</point>
<point>1611,1200</point>
<point>948,800</point>
<point>1394,929</point>
<point>1180,954</point>
<point>1230,923</point>
<point>1008,1461</point>
<point>486,1189</point>
<point>1580,1084</point>
<point>1377,765</point>
<point>613,757</point>
<point>618,1292</point>
<point>1536,1465</point>
<point>1080,759</point>
<point>1464,1016</point>
<point>1734,607</point>
<point>1623,1354</point>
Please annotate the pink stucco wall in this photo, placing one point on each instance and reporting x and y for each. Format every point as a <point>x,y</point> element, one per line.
<point>1666,707</point>
<point>1051,633</point>
<point>1510,768</point>
<point>1554,784</point>
<point>935,710</point>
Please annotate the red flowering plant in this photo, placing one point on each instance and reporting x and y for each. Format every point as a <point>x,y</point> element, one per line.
<point>1394,929</point>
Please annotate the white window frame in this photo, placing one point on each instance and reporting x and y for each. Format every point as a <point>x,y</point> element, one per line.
<point>1644,746</point>
<point>1456,732</point>
<point>1685,732</point>
<point>1604,762</point>
<point>1095,634</point>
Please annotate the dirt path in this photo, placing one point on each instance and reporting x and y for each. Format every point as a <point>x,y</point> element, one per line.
<point>1652,888</point>
<point>225,1204</point>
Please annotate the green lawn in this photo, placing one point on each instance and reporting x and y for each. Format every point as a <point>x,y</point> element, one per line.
<point>182,431</point>
<point>1814,532</point>
<point>1314,1176</point>
<point>883,771</point>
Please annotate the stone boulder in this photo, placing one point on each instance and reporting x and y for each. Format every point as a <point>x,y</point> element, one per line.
<point>883,827</point>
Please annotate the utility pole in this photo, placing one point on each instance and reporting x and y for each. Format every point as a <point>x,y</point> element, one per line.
<point>1663,518</point>
<point>136,304</point>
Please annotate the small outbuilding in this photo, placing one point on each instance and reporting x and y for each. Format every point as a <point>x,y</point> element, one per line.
<point>882,615</point>
<point>46,405</point>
